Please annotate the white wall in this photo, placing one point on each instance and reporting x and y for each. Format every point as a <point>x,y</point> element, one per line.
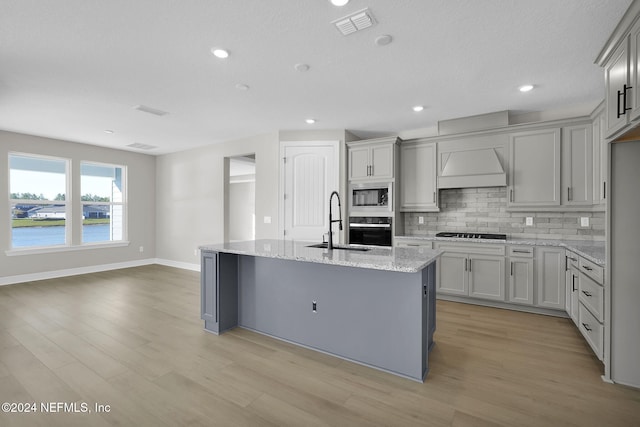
<point>141,193</point>
<point>242,197</point>
<point>190,201</point>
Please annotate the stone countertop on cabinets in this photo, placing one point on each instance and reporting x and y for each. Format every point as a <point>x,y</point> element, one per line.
<point>594,251</point>
<point>405,260</point>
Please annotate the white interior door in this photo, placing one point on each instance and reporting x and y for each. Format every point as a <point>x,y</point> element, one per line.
<point>309,174</point>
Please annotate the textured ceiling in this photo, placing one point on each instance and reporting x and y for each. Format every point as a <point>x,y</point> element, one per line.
<point>70,69</point>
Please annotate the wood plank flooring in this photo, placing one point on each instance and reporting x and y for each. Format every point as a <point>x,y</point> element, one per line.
<point>133,339</point>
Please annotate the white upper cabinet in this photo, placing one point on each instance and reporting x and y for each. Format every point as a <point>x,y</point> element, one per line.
<point>616,75</point>
<point>600,156</point>
<point>372,160</point>
<point>534,168</point>
<point>418,190</point>
<point>577,165</point>
<point>621,81</point>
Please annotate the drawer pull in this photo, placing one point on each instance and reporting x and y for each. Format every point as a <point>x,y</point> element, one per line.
<point>589,294</point>
<point>586,267</point>
<point>518,251</point>
<point>573,259</point>
<point>586,327</point>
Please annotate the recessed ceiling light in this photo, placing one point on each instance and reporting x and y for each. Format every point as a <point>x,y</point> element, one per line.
<point>109,131</point>
<point>418,108</point>
<point>301,67</point>
<point>339,2</point>
<point>383,40</point>
<point>241,86</point>
<point>220,53</point>
<point>525,88</point>
<point>310,121</point>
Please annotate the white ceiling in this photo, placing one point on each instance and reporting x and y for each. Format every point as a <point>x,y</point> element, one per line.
<point>70,69</point>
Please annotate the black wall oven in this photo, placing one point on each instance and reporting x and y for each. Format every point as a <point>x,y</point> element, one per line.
<point>370,230</point>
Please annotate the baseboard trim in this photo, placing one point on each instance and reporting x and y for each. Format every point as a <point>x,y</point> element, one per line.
<point>178,264</point>
<point>504,305</point>
<point>21,278</point>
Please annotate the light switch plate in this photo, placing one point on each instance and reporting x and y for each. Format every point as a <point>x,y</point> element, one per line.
<point>529,220</point>
<point>584,221</point>
<point>420,220</point>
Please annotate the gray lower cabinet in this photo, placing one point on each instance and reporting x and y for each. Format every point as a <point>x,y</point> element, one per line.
<point>571,294</point>
<point>551,279</point>
<point>471,270</point>
<point>218,281</point>
<point>520,268</point>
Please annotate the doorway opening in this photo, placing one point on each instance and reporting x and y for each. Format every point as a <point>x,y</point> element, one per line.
<point>240,198</point>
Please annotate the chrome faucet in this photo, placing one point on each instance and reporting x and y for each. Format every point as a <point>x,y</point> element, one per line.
<point>331,220</point>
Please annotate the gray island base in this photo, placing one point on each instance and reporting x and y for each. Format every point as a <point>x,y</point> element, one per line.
<point>376,308</point>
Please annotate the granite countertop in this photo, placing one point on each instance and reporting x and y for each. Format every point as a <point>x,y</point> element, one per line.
<point>405,260</point>
<point>594,251</point>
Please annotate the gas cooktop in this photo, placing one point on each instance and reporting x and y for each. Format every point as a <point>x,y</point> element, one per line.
<point>473,235</point>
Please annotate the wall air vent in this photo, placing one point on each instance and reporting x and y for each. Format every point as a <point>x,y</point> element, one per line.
<point>355,22</point>
<point>142,146</point>
<point>150,110</point>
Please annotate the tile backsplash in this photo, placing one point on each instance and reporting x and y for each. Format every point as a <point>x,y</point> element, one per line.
<point>484,210</point>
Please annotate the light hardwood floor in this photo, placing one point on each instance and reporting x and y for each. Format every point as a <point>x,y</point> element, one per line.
<point>132,339</point>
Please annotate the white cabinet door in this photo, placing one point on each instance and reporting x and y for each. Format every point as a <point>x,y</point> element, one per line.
<point>418,177</point>
<point>451,269</point>
<point>521,280</point>
<point>358,163</point>
<point>550,277</point>
<point>634,60</point>
<point>577,165</point>
<point>616,75</point>
<point>486,277</point>
<point>382,161</point>
<point>534,169</point>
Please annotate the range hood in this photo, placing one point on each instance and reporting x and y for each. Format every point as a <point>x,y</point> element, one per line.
<point>471,168</point>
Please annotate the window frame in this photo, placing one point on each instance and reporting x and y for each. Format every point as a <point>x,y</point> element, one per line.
<point>68,203</point>
<point>124,204</point>
<point>73,208</point>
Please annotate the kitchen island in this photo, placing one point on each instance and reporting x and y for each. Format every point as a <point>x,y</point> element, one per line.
<point>373,307</point>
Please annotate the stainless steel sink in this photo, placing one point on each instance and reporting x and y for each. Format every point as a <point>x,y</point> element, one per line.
<point>340,247</point>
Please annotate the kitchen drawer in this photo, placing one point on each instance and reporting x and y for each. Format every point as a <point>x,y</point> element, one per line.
<point>591,294</point>
<point>474,248</point>
<point>591,329</point>
<point>573,259</point>
<point>425,244</point>
<point>520,251</point>
<point>592,270</point>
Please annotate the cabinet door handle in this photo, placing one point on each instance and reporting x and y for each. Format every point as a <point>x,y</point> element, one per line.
<point>512,268</point>
<point>587,294</point>
<point>469,265</point>
<point>569,193</point>
<point>434,197</point>
<point>586,267</point>
<point>586,327</point>
<point>573,283</point>
<point>511,195</point>
<point>371,170</point>
<point>604,190</point>
<point>618,113</point>
<point>624,99</point>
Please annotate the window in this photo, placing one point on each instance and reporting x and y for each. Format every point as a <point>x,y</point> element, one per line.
<point>38,188</point>
<point>103,202</point>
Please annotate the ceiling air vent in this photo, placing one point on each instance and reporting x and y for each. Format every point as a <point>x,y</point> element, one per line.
<point>150,110</point>
<point>355,22</point>
<point>142,146</point>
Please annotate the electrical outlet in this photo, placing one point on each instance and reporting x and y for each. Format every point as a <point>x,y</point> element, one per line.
<point>267,220</point>
<point>584,221</point>
<point>141,249</point>
<point>420,220</point>
<point>529,221</point>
